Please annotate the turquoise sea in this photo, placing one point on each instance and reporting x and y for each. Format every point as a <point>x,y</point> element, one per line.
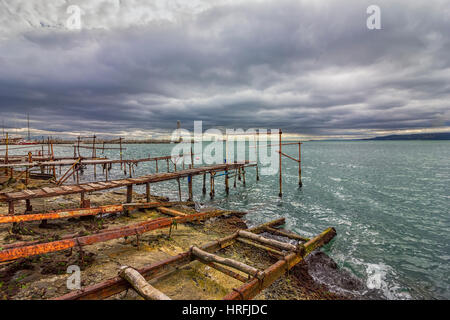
<point>388,200</point>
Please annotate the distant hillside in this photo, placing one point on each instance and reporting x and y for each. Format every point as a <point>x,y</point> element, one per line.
<point>419,136</point>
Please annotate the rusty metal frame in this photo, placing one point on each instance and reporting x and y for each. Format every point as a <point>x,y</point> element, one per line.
<point>129,230</point>
<point>116,285</point>
<point>79,212</point>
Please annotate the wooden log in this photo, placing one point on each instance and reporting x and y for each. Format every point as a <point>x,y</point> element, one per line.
<point>171,212</point>
<point>142,287</point>
<point>286,234</point>
<point>260,246</point>
<point>270,242</point>
<point>209,257</point>
<point>226,271</point>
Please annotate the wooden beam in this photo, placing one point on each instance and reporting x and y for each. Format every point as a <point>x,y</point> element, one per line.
<point>209,257</point>
<point>142,287</point>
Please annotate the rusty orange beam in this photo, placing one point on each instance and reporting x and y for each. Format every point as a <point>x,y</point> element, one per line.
<point>79,212</point>
<point>255,286</point>
<point>130,230</point>
<point>288,156</point>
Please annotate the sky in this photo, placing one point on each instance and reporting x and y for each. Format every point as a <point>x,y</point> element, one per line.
<point>312,68</point>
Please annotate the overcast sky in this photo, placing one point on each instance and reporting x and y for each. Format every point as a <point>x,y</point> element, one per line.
<point>311,67</point>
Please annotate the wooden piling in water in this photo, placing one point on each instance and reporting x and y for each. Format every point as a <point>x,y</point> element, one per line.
<point>179,189</point>
<point>257,155</point>
<point>300,184</point>
<point>204,184</point>
<point>147,191</point>
<point>190,188</point>
<point>227,187</point>
<point>280,194</point>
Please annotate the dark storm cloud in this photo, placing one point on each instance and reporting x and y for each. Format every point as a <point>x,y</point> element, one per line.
<point>310,67</point>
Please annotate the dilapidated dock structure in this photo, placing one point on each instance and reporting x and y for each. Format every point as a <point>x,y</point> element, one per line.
<point>265,237</point>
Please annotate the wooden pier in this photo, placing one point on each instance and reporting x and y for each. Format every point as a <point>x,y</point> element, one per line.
<point>82,189</point>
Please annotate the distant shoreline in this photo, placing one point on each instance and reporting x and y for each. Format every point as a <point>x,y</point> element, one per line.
<point>417,136</point>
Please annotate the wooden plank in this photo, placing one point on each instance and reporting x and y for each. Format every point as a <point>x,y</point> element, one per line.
<point>93,185</point>
<point>86,188</point>
<point>48,190</point>
<point>12,195</point>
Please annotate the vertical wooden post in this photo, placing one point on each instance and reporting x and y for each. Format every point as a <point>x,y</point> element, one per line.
<point>179,189</point>
<point>156,166</point>
<point>94,155</point>
<point>120,142</point>
<point>129,193</point>
<point>129,198</point>
<point>168,167</point>
<point>300,184</point>
<point>11,207</point>
<point>190,188</point>
<point>29,208</point>
<point>147,191</point>
<point>227,187</point>
<point>243,175</point>
<point>82,200</point>
<point>53,159</point>
<point>204,184</point>
<point>211,184</point>
<point>192,157</point>
<point>257,155</point>
<point>281,178</point>
<point>78,146</point>
<point>6,153</point>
